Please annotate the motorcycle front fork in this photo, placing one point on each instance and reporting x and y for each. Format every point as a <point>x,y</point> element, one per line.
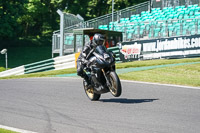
<point>107,80</point>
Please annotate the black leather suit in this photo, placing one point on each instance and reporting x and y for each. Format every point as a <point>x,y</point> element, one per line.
<point>80,61</point>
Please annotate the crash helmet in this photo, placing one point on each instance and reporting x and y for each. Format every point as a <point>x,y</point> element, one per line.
<point>98,39</point>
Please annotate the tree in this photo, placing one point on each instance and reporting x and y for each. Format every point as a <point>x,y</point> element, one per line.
<point>10,11</point>
<point>38,18</point>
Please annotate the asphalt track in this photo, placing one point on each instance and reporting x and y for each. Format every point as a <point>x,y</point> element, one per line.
<point>59,105</point>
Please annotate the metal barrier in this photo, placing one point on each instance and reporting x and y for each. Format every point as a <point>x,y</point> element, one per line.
<point>15,71</point>
<point>57,63</point>
<point>172,3</point>
<point>94,23</point>
<point>124,13</point>
<point>64,62</point>
<point>39,66</point>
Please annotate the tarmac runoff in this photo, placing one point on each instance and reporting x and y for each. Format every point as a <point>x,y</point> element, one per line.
<point>127,70</point>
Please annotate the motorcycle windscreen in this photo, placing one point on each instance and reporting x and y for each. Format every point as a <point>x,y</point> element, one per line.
<point>101,49</point>
<point>98,63</point>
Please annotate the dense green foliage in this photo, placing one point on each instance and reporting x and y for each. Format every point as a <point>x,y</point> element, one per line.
<point>37,19</point>
<point>29,55</point>
<point>30,23</point>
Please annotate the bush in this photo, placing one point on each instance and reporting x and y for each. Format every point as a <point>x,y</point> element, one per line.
<point>2,69</point>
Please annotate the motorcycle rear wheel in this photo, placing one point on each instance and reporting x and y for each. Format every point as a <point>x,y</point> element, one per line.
<point>91,94</point>
<point>115,88</point>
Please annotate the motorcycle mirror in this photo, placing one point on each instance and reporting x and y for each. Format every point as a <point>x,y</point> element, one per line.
<point>119,44</point>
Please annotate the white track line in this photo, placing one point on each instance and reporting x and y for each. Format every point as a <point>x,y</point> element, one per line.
<point>15,129</point>
<point>141,82</point>
<point>130,81</point>
<point>180,86</point>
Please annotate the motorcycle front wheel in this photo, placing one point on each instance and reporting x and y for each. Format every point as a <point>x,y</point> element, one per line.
<point>90,93</point>
<point>115,87</point>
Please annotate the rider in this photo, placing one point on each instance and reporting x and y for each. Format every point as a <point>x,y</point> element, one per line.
<point>98,39</point>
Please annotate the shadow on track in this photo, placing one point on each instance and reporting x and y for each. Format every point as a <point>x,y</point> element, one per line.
<point>127,101</point>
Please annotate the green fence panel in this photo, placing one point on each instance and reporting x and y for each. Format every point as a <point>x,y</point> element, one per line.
<point>39,66</point>
<point>42,69</point>
<point>116,51</point>
<point>38,63</point>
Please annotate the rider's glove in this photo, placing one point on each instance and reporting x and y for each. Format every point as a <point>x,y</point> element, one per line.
<point>112,54</point>
<point>84,55</point>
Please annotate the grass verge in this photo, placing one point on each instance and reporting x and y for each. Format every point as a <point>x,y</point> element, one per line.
<point>2,69</point>
<point>43,74</point>
<point>6,131</point>
<point>155,62</point>
<point>180,75</point>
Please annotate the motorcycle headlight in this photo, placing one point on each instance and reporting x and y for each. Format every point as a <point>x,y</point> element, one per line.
<point>108,60</point>
<point>106,56</point>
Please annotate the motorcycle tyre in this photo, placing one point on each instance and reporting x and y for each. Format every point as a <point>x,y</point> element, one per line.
<point>118,87</point>
<point>91,95</point>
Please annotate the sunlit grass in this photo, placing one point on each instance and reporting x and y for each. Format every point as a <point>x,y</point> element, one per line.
<point>6,131</point>
<point>43,74</point>
<point>180,75</point>
<point>155,62</point>
<point>2,69</point>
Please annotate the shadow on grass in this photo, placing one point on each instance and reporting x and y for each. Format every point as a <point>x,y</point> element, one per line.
<point>127,101</point>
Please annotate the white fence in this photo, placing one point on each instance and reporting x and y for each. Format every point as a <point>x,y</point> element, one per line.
<point>56,63</point>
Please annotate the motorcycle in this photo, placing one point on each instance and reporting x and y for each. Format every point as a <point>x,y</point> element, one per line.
<point>101,72</point>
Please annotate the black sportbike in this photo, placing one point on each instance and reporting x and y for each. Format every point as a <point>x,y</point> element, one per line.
<point>101,72</point>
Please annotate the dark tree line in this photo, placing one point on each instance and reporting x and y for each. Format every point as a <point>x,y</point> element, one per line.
<point>36,19</point>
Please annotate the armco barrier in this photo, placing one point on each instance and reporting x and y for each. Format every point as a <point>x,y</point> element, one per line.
<point>65,65</point>
<point>116,51</point>
<point>57,63</point>
<point>14,71</point>
<point>39,66</point>
<point>64,62</point>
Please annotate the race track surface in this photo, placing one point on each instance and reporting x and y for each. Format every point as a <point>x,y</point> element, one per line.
<point>59,105</point>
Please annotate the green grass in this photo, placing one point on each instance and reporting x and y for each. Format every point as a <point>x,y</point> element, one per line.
<point>2,69</point>
<point>181,75</point>
<point>155,62</point>
<point>43,74</point>
<point>6,131</point>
